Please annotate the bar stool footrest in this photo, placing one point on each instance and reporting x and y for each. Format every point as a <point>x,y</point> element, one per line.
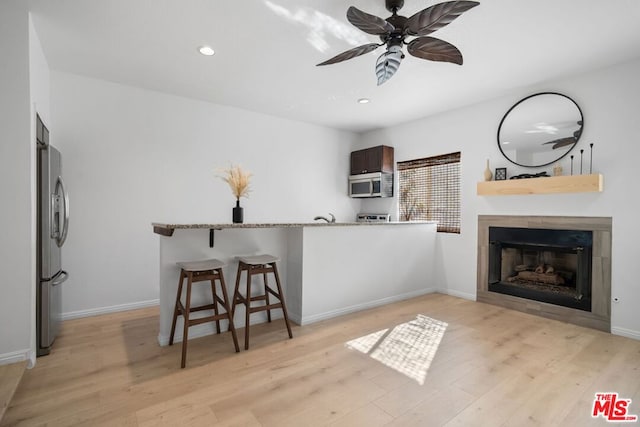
<point>200,320</point>
<point>265,308</point>
<point>202,307</point>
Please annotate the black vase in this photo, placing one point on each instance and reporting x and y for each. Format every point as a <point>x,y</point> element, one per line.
<point>238,213</point>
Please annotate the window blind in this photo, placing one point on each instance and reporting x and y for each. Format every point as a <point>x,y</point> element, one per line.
<point>430,191</point>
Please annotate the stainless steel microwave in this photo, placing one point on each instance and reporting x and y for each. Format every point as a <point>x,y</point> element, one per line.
<point>377,184</point>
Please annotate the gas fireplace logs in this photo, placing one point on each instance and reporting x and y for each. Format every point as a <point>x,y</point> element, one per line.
<point>540,274</point>
<point>554,278</point>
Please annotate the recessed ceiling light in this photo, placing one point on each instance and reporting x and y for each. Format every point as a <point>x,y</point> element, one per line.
<point>206,50</point>
<point>364,101</point>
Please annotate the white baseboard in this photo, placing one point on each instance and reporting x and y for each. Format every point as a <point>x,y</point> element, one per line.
<point>464,295</point>
<point>111,309</point>
<point>623,332</point>
<point>295,318</point>
<point>31,359</point>
<point>358,307</point>
<point>17,356</point>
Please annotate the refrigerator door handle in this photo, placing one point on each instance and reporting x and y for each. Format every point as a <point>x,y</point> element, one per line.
<point>60,279</point>
<point>65,227</point>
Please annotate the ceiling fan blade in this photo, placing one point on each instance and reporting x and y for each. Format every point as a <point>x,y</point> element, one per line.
<point>370,24</point>
<point>434,50</point>
<point>351,53</point>
<point>388,63</point>
<point>559,143</point>
<point>437,16</point>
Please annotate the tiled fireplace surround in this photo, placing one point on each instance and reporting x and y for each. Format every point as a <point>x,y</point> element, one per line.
<point>600,315</point>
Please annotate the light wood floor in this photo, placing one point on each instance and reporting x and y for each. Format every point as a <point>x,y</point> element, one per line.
<point>493,367</point>
<point>10,376</point>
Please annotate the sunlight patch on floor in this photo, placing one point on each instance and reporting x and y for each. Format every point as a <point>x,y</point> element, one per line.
<point>408,348</point>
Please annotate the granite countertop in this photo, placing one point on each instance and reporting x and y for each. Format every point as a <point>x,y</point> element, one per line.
<point>167,229</point>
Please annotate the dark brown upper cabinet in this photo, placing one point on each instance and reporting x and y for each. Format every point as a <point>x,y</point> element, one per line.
<point>374,159</point>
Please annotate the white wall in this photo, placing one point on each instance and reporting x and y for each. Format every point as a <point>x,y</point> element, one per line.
<point>610,101</point>
<point>16,252</point>
<point>39,80</point>
<point>133,156</point>
<point>347,269</point>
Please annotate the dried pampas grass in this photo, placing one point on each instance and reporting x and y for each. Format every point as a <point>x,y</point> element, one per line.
<point>238,181</point>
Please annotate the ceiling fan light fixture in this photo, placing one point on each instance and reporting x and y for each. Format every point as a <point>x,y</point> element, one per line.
<point>206,50</point>
<point>388,63</point>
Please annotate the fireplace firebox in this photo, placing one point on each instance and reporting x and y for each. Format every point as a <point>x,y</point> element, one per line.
<point>571,254</point>
<point>547,265</point>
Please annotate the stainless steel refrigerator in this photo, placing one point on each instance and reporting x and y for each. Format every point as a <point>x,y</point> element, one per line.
<point>53,224</point>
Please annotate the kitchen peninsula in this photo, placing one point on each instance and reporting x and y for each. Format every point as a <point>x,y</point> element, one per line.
<point>327,269</point>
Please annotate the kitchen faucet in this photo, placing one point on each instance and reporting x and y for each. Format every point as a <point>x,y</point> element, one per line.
<point>333,218</point>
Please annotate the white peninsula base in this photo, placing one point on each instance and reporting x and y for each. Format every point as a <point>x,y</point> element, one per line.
<point>326,271</point>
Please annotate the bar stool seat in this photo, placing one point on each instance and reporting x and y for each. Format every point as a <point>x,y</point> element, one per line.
<point>203,265</point>
<point>201,271</point>
<point>259,264</point>
<point>258,259</point>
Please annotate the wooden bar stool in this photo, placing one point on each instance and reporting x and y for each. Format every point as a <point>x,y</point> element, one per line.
<point>200,271</point>
<point>259,264</point>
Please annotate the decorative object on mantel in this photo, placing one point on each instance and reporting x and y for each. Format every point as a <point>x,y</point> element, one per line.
<point>487,172</point>
<point>557,170</point>
<point>238,181</point>
<point>581,151</point>
<point>395,29</point>
<point>531,175</point>
<point>572,165</point>
<point>590,158</point>
<point>501,174</point>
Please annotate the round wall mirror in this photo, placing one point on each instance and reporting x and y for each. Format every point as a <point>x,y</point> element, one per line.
<point>540,129</point>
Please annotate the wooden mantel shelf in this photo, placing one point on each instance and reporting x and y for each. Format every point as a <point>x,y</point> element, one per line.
<point>554,184</point>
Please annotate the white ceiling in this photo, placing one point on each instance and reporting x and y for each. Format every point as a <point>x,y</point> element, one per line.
<point>266,51</point>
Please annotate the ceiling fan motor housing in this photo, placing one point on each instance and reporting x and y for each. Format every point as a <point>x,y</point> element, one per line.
<point>394,5</point>
<point>398,35</point>
<point>394,39</point>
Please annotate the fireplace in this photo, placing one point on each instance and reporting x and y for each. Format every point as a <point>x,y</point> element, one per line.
<point>552,266</point>
<point>556,267</point>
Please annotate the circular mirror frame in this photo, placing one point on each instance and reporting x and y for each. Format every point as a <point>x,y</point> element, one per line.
<point>525,99</point>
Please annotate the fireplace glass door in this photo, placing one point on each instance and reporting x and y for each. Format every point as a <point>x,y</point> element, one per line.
<point>552,266</point>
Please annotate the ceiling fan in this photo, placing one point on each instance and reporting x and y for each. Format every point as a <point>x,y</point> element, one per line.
<point>563,142</point>
<point>394,30</point>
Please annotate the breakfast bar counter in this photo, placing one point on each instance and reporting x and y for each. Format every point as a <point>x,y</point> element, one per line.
<point>167,229</point>
<point>327,269</point>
